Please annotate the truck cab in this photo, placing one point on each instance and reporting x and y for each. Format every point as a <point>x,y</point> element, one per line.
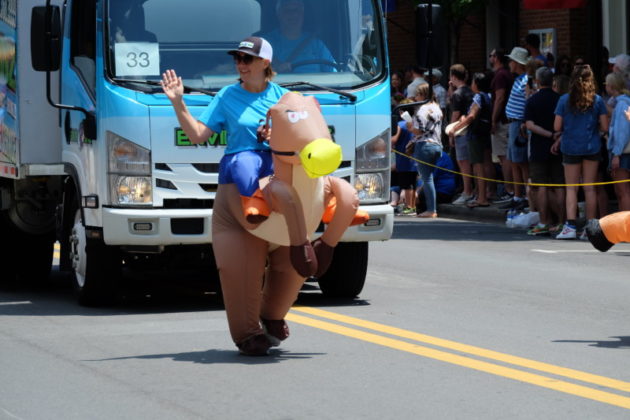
<point>133,188</point>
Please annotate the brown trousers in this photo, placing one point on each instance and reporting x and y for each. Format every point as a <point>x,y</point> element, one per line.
<point>256,282</point>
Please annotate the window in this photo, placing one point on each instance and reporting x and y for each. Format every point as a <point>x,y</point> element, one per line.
<point>83,42</point>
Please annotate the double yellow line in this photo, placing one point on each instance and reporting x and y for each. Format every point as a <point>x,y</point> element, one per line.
<point>410,346</point>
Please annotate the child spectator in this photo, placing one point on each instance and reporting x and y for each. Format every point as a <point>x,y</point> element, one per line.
<point>461,99</point>
<point>478,120</point>
<point>405,173</point>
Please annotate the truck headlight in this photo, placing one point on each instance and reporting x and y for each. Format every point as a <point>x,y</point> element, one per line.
<point>373,169</point>
<point>130,190</point>
<point>129,172</point>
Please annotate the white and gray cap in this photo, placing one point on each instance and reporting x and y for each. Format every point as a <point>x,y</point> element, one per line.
<point>254,46</point>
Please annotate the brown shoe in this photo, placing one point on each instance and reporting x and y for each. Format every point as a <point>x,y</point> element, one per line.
<point>275,330</point>
<point>257,345</point>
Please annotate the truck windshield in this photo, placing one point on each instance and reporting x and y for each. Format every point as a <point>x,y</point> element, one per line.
<point>333,43</point>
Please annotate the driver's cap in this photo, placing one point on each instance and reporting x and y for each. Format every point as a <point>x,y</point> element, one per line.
<point>255,46</point>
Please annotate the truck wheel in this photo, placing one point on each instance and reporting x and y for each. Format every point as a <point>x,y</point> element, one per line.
<point>96,267</point>
<point>346,275</point>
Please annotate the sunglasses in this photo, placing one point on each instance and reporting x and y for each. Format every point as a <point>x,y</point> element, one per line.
<point>245,58</point>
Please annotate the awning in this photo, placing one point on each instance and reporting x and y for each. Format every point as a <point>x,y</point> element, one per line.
<point>554,4</point>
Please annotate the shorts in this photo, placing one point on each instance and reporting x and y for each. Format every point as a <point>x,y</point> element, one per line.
<point>500,140</point>
<point>548,171</point>
<point>516,153</point>
<point>245,169</point>
<point>575,159</point>
<point>406,180</point>
<point>624,161</point>
<point>461,148</point>
<point>477,147</point>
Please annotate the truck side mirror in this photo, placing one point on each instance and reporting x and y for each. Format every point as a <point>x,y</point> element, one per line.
<point>46,38</point>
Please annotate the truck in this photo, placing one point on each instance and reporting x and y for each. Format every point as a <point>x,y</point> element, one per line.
<point>91,154</point>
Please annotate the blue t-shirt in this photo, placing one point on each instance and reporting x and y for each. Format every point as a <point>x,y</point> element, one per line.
<point>580,130</point>
<point>305,48</point>
<point>444,181</point>
<point>404,164</point>
<point>240,112</point>
<point>619,130</point>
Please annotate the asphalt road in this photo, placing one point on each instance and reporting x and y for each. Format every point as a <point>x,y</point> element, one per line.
<point>457,320</point>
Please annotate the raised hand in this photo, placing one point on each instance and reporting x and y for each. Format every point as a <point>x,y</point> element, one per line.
<point>172,85</point>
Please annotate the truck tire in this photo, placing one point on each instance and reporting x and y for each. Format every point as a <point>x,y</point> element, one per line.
<point>96,267</point>
<point>346,275</point>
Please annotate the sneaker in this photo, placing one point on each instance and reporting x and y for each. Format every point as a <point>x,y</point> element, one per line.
<point>510,205</point>
<point>539,230</point>
<point>521,205</point>
<point>583,236</point>
<point>568,232</point>
<point>503,198</point>
<point>409,211</point>
<point>462,199</point>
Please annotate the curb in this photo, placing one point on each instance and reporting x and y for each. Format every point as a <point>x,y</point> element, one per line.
<point>490,214</point>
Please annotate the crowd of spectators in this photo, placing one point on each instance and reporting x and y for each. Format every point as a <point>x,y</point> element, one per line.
<point>533,121</point>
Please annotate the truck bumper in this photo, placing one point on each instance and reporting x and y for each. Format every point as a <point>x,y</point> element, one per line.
<point>152,227</point>
<point>378,228</point>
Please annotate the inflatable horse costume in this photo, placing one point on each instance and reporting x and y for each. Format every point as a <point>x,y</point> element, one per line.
<point>262,266</point>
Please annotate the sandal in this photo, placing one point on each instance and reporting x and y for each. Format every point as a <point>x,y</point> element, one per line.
<point>475,203</point>
<point>428,215</point>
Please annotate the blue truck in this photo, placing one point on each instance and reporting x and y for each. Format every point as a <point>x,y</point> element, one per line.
<point>91,155</point>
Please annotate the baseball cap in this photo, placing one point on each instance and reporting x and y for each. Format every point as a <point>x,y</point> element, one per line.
<point>254,46</point>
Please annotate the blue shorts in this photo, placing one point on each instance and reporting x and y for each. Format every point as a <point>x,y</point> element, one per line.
<point>461,148</point>
<point>245,169</point>
<point>517,144</point>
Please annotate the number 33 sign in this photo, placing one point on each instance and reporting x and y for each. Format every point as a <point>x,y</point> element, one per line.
<point>137,59</point>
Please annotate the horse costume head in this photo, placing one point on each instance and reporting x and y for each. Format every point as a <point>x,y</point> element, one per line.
<point>300,136</point>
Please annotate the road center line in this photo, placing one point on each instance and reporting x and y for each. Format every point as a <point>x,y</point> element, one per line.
<point>531,378</point>
<point>476,351</point>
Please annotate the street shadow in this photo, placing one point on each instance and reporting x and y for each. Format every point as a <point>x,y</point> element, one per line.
<point>56,297</point>
<point>216,356</point>
<point>622,342</point>
<point>454,230</point>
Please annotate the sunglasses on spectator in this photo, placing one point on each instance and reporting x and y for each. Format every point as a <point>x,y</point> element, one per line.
<point>492,55</point>
<point>245,58</point>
